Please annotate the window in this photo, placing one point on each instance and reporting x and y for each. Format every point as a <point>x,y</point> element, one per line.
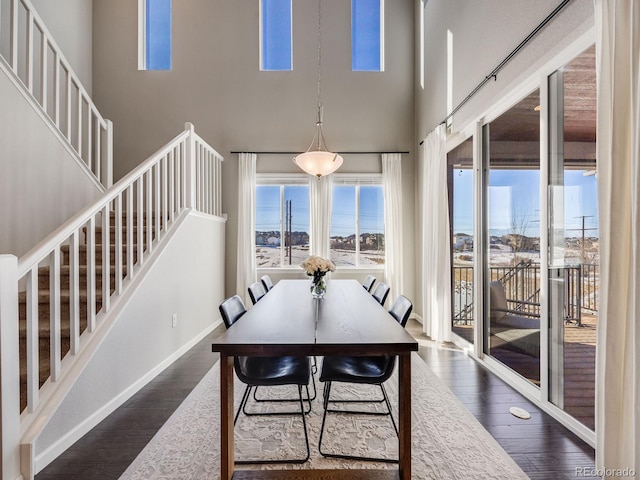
<point>275,35</point>
<point>155,42</point>
<point>282,225</point>
<point>357,225</point>
<point>366,35</point>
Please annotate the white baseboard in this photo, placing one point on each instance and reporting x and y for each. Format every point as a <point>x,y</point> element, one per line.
<point>55,450</point>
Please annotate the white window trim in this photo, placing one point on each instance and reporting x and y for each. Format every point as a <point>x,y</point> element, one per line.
<point>282,179</point>
<point>382,42</point>
<point>142,35</point>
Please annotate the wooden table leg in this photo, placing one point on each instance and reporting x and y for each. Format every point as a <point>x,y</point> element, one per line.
<point>404,412</point>
<point>227,462</point>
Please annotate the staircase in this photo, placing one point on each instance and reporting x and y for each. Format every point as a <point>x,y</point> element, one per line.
<point>69,285</point>
<point>60,299</point>
<point>44,301</point>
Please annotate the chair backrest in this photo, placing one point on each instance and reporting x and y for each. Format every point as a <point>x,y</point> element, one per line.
<point>231,310</point>
<point>380,292</point>
<point>256,292</point>
<point>497,301</point>
<point>401,309</point>
<point>266,282</point>
<point>368,282</point>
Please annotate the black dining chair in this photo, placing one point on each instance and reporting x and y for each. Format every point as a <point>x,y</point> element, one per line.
<point>368,282</point>
<point>267,371</point>
<point>256,292</point>
<point>381,292</point>
<point>370,370</point>
<point>266,282</point>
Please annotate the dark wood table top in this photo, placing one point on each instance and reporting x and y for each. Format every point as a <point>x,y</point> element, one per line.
<point>288,321</point>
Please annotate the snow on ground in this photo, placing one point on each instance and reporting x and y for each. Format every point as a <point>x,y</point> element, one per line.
<point>270,257</point>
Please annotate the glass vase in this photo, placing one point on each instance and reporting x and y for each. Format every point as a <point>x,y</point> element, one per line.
<point>318,286</point>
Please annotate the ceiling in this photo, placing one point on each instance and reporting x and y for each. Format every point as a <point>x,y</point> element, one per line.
<point>521,122</point>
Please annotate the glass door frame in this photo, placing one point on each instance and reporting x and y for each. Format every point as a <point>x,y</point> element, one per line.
<point>541,79</point>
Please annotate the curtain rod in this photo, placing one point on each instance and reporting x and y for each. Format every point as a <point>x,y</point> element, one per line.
<point>514,52</point>
<point>298,153</point>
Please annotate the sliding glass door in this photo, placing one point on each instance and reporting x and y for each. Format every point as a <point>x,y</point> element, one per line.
<point>524,241</point>
<point>460,168</point>
<point>573,238</point>
<point>512,287</point>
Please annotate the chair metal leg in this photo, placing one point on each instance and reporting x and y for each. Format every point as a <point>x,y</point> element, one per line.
<point>242,402</point>
<point>306,435</point>
<point>260,400</point>
<point>326,401</point>
<point>384,399</point>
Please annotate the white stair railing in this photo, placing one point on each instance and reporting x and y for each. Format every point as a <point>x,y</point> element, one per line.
<point>38,63</point>
<point>74,274</point>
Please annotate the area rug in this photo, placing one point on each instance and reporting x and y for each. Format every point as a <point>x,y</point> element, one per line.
<point>447,441</point>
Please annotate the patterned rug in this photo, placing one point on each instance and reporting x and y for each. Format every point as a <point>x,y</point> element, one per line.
<point>448,442</point>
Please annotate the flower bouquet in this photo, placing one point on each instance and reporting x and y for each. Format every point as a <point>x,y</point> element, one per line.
<point>318,267</point>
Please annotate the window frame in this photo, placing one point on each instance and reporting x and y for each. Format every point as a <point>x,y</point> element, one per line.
<point>261,60</point>
<point>381,41</point>
<point>282,180</point>
<point>142,38</point>
<point>361,180</point>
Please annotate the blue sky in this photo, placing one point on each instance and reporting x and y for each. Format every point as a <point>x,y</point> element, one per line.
<point>517,193</point>
<point>158,34</point>
<point>276,35</point>
<point>365,31</point>
<point>343,215</point>
<point>268,208</point>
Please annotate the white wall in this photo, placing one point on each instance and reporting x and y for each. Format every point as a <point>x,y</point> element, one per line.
<point>41,185</point>
<point>484,33</point>
<point>187,279</point>
<point>215,83</point>
<point>70,24</point>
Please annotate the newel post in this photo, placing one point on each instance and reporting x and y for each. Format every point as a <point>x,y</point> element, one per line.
<point>107,155</point>
<point>9,369</point>
<point>191,166</point>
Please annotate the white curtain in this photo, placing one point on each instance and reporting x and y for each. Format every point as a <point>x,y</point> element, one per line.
<point>320,199</point>
<point>618,154</point>
<point>436,264</point>
<point>246,273</point>
<point>392,191</point>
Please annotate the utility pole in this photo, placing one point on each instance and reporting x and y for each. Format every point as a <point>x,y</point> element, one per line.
<point>583,217</point>
<point>288,229</point>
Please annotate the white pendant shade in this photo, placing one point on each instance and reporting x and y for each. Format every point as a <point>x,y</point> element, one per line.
<point>318,162</point>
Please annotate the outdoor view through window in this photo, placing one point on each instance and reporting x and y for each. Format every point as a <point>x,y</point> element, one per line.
<point>283,225</point>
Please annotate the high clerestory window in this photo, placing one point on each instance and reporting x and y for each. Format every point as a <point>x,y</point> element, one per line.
<point>367,32</point>
<point>155,34</point>
<point>275,35</point>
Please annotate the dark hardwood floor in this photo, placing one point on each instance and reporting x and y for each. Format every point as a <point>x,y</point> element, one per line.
<point>542,447</point>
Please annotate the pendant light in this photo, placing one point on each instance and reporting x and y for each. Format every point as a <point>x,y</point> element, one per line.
<point>318,160</point>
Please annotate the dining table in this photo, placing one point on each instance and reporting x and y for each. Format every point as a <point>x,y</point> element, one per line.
<point>289,321</point>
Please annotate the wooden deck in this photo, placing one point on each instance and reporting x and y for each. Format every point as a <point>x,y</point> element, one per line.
<point>579,366</point>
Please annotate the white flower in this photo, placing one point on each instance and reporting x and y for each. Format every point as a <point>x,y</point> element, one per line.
<point>314,265</point>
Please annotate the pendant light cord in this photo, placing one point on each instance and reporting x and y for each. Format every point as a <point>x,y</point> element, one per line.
<point>319,52</point>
